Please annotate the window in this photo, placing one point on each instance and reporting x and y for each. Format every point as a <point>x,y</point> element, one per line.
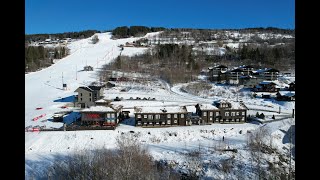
<point>145,116</point>
<point>90,94</point>
<point>243,113</point>
<point>168,122</point>
<point>108,115</point>
<point>80,99</point>
<point>217,119</point>
<point>242,119</point>
<point>150,116</point>
<point>226,113</point>
<point>89,99</point>
<point>211,119</point>
<point>211,113</point>
<point>112,115</point>
<point>175,116</point>
<point>217,113</point>
<point>175,121</point>
<point>139,116</point>
<point>204,113</point>
<point>233,113</point>
<point>182,116</point>
<point>157,116</point>
<point>237,113</point>
<point>169,115</point>
<point>80,94</point>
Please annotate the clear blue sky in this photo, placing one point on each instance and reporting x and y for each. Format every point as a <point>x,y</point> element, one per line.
<point>57,16</point>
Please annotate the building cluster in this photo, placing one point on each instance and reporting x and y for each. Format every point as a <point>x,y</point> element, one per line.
<point>201,114</point>
<point>262,81</point>
<point>98,112</point>
<point>244,75</point>
<point>50,41</point>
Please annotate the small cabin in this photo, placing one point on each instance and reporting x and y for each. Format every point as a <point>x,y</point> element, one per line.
<point>88,68</point>
<point>286,96</point>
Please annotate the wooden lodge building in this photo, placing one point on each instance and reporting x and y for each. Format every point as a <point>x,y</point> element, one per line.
<point>217,73</point>
<point>286,96</point>
<point>231,112</point>
<point>268,74</point>
<point>292,86</point>
<point>100,116</point>
<point>219,112</point>
<point>160,116</point>
<point>266,86</point>
<point>202,114</point>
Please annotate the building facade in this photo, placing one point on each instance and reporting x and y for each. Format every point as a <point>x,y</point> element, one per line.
<point>161,116</point>
<point>87,95</point>
<point>99,116</point>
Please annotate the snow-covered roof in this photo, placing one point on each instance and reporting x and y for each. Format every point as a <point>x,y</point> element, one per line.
<point>267,70</point>
<point>161,109</point>
<point>234,105</point>
<point>237,105</point>
<point>236,70</point>
<point>208,107</point>
<point>267,82</point>
<point>98,109</point>
<point>220,66</point>
<point>102,101</point>
<point>246,66</point>
<point>287,93</point>
<point>191,109</point>
<point>85,88</point>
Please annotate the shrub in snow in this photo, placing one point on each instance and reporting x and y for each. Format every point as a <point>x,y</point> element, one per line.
<point>128,161</point>
<point>94,39</point>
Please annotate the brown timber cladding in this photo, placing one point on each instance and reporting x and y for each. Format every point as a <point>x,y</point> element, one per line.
<point>160,119</point>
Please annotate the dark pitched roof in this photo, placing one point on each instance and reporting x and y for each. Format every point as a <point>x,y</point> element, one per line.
<point>267,82</point>
<point>247,66</point>
<point>85,88</point>
<point>236,70</point>
<point>95,88</point>
<point>220,66</point>
<point>267,70</point>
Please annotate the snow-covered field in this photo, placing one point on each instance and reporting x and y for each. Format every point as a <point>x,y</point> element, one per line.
<point>169,144</point>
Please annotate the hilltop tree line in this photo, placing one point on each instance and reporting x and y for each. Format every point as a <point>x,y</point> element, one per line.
<point>136,31</point>
<point>177,63</point>
<point>73,35</point>
<point>171,62</point>
<point>219,34</point>
<point>280,57</point>
<point>37,57</point>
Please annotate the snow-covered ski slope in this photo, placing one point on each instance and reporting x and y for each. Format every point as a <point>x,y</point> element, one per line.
<point>45,86</point>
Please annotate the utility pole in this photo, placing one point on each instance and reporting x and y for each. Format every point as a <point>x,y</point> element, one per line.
<point>292,113</point>
<point>76,73</point>
<point>290,146</point>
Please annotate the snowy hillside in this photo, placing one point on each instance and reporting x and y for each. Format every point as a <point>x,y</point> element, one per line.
<point>43,91</point>
<point>45,86</point>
